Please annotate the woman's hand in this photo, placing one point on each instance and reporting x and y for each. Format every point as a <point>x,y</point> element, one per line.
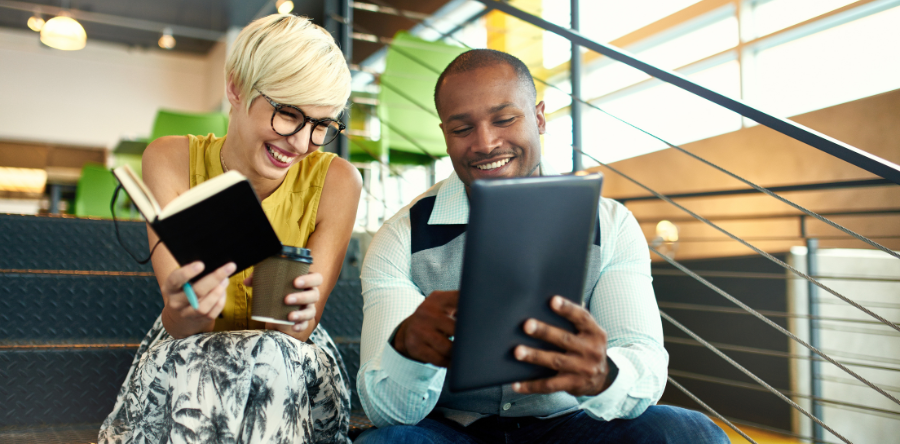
<point>305,300</point>
<point>180,319</point>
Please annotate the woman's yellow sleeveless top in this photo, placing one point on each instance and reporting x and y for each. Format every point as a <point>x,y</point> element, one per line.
<point>291,210</point>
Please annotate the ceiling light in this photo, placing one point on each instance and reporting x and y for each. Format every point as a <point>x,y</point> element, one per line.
<point>63,32</point>
<point>284,6</point>
<point>36,22</point>
<point>167,41</point>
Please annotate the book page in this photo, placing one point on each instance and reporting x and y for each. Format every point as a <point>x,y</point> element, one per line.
<point>201,192</point>
<point>138,191</point>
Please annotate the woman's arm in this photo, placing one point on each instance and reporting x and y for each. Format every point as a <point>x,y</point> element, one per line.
<point>166,171</point>
<point>334,224</point>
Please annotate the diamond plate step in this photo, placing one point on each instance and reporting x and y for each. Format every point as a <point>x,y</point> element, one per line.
<point>60,386</point>
<point>65,243</point>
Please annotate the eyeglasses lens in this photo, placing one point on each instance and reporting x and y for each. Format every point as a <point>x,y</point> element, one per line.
<point>286,120</point>
<point>325,132</point>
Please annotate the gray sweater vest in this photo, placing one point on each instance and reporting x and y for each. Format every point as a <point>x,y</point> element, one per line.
<point>436,264</point>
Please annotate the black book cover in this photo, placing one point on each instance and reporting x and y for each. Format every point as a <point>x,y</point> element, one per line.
<point>229,226</point>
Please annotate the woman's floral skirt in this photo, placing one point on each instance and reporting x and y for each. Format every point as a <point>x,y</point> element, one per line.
<point>251,386</point>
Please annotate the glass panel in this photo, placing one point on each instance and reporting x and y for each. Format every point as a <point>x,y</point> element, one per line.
<point>607,20</point>
<point>558,144</point>
<point>666,111</point>
<point>838,65</point>
<point>555,99</point>
<point>774,15</point>
<point>695,45</point>
<point>556,49</point>
<point>677,52</point>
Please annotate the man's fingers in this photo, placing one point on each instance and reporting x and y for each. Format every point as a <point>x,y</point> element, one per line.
<point>578,315</point>
<point>563,339</point>
<point>559,383</point>
<point>552,360</point>
<point>432,353</point>
<point>248,281</point>
<point>308,281</point>
<point>446,300</point>
<point>444,324</point>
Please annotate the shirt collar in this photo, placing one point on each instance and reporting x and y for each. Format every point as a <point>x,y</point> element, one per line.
<point>451,207</point>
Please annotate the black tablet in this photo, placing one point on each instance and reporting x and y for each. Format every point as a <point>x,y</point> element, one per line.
<point>527,240</point>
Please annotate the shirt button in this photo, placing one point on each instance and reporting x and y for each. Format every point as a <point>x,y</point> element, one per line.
<point>507,406</point>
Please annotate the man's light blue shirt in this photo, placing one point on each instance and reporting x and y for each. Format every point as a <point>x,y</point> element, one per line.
<point>396,390</point>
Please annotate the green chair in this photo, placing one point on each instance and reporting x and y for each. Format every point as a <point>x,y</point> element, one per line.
<point>94,191</point>
<point>175,123</point>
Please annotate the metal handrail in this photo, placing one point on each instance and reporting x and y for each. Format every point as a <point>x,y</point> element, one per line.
<point>850,154</point>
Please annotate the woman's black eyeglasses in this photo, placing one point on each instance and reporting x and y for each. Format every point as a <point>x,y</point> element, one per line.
<point>287,120</point>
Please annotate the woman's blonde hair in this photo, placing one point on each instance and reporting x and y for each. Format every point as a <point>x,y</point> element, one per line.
<point>291,60</point>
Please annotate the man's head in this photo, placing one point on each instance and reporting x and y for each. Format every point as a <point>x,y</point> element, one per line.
<point>492,127</point>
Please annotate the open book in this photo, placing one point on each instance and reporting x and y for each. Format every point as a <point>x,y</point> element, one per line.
<point>216,222</point>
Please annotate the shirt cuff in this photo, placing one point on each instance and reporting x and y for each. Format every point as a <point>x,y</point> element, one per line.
<point>415,376</point>
<point>608,405</point>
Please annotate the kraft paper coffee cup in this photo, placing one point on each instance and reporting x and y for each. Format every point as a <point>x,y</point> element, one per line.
<point>273,279</point>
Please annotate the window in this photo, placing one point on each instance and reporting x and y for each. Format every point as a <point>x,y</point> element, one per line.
<point>716,36</point>
<point>841,64</point>
<point>774,15</point>
<point>664,110</point>
<point>603,21</point>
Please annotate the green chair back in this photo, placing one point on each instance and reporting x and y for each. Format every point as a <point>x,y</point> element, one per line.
<point>94,191</point>
<point>175,123</point>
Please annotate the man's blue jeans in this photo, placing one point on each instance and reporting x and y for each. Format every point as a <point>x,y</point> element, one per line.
<point>658,424</point>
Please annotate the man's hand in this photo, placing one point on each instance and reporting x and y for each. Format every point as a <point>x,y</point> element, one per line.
<point>582,367</point>
<point>425,335</point>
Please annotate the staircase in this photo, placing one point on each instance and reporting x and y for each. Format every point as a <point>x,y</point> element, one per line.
<point>73,310</point>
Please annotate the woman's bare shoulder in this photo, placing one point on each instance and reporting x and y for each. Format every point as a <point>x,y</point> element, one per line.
<point>341,190</point>
<point>342,176</point>
<point>166,167</point>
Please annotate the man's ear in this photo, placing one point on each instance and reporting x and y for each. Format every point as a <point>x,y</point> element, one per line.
<point>539,115</point>
<point>233,93</point>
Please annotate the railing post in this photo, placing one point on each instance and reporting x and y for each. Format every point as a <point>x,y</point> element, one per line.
<point>339,22</point>
<point>575,77</point>
<point>812,251</point>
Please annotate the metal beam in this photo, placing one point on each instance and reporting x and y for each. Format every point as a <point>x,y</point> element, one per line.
<point>781,189</point>
<point>114,20</point>
<point>575,80</point>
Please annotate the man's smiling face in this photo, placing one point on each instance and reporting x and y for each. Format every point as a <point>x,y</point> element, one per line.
<point>491,126</point>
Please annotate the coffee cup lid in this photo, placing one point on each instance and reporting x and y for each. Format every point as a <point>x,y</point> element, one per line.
<point>296,253</point>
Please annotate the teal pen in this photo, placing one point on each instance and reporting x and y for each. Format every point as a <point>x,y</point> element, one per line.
<point>189,292</point>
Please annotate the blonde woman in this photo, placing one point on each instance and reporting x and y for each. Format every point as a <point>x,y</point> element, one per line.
<point>212,374</point>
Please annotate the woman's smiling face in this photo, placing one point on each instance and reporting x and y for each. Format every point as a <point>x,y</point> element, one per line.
<point>266,152</point>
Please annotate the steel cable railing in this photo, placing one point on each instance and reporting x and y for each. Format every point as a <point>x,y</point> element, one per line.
<point>778,354</point>
<point>752,376</point>
<point>696,216</point>
<point>850,154</point>
<point>781,263</point>
<point>732,383</point>
<point>757,187</point>
<point>774,314</point>
<point>774,325</point>
<point>709,409</point>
